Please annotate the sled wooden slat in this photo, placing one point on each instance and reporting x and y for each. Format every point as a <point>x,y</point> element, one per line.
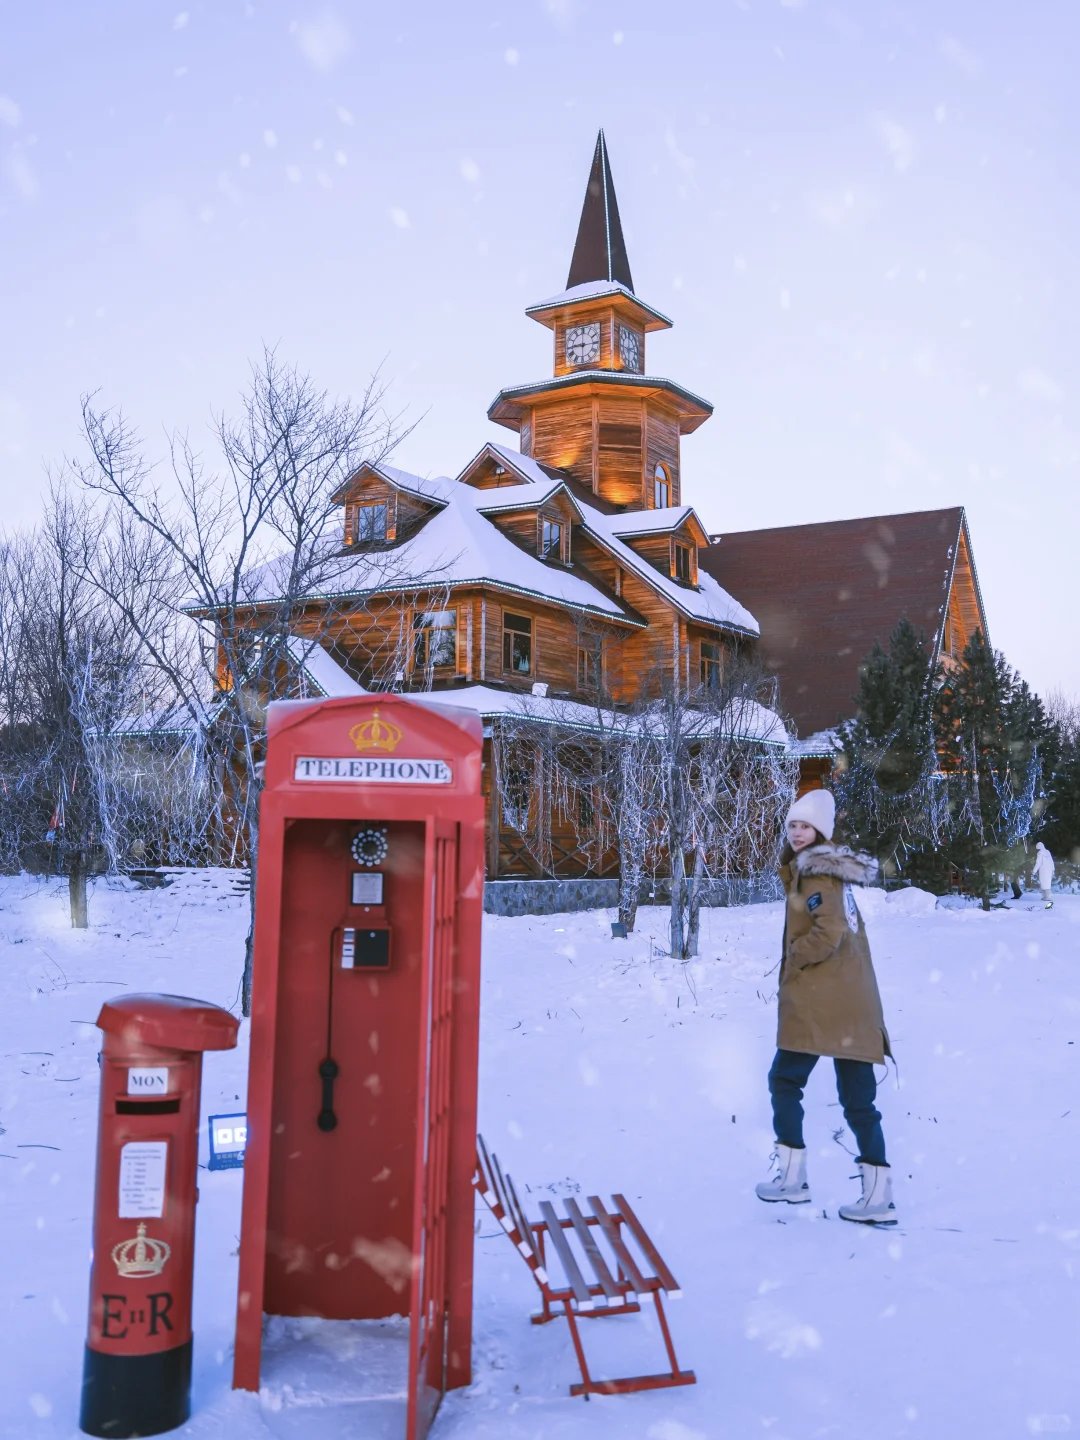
<point>667,1280</point>
<point>622,1254</point>
<point>566,1256</point>
<point>592,1250</point>
<point>620,1283</point>
<point>522,1220</point>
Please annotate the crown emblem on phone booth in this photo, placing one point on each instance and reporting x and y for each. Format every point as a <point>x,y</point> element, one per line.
<point>141,1256</point>
<point>375,734</point>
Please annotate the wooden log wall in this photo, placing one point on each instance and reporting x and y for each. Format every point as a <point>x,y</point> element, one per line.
<point>661,448</point>
<point>562,435</point>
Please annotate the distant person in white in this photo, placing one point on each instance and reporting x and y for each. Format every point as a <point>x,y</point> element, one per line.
<point>1044,869</point>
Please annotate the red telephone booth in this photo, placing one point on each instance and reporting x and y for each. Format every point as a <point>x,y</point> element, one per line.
<point>365,1022</point>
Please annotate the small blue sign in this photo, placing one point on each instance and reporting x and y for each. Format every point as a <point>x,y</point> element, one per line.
<point>228,1141</point>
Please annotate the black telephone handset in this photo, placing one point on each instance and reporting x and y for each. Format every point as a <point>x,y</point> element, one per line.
<point>360,942</point>
<point>328,1073</point>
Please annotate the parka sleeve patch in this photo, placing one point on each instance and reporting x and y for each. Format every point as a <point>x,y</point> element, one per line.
<point>814,902</point>
<point>851,910</point>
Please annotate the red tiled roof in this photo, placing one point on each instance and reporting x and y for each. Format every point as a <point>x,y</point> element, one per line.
<point>824,593</point>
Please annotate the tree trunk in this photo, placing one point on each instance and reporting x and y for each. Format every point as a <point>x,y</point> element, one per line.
<point>249,942</point>
<point>697,889</point>
<point>678,898</point>
<point>628,901</point>
<point>249,961</point>
<point>77,890</point>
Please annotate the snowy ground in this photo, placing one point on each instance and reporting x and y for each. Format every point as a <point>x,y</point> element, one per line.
<point>607,1067</point>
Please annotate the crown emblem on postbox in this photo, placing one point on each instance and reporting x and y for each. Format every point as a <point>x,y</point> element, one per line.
<point>375,734</point>
<point>141,1256</point>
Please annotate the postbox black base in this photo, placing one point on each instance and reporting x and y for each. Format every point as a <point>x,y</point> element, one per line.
<point>126,1396</point>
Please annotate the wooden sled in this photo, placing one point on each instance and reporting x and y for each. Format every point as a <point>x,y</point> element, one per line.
<point>586,1244</point>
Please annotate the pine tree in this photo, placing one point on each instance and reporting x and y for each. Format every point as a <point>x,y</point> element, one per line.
<point>1061,817</point>
<point>887,789</point>
<point>990,730</point>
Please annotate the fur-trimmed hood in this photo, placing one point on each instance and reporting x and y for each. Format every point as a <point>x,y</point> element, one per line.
<point>836,860</point>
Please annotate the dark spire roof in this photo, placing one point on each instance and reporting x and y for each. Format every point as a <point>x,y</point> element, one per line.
<point>600,250</point>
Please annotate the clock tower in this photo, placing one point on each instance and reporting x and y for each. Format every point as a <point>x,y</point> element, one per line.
<point>602,417</point>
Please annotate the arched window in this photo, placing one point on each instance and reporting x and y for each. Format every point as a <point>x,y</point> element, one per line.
<point>661,488</point>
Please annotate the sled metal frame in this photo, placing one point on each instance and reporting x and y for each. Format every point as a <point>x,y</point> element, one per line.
<point>620,1286</point>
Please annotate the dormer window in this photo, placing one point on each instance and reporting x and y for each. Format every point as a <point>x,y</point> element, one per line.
<point>683,563</point>
<point>371,521</point>
<point>551,540</point>
<point>661,488</point>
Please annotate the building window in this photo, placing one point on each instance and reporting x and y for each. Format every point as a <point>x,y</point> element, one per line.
<point>551,532</point>
<point>515,796</point>
<point>682,563</point>
<point>589,666</point>
<point>436,640</point>
<point>661,488</point>
<point>586,812</point>
<point>711,664</point>
<point>517,644</point>
<point>371,521</point>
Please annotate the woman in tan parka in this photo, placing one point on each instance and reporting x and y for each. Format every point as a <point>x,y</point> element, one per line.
<point>828,1005</point>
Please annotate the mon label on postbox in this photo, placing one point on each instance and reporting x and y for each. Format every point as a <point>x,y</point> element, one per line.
<point>351,769</point>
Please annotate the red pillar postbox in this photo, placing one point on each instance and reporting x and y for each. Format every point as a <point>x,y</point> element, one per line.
<point>137,1373</point>
<point>365,1029</point>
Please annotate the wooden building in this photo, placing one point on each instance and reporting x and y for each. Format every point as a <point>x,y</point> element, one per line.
<point>540,578</point>
<point>823,593</point>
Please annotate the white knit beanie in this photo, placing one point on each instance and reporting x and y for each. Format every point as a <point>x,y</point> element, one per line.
<point>817,808</point>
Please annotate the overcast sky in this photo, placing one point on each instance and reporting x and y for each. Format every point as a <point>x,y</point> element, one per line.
<point>861,215</point>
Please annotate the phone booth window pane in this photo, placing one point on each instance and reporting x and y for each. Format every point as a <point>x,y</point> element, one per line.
<point>517,644</point>
<point>436,640</point>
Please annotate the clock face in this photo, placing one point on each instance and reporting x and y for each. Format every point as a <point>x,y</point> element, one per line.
<point>630,348</point>
<point>582,343</point>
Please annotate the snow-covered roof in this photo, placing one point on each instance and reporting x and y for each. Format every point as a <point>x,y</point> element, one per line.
<point>489,702</point>
<point>707,602</point>
<point>609,377</point>
<point>651,522</point>
<point>176,719</point>
<point>327,676</point>
<point>820,745</point>
<point>427,488</point>
<point>524,467</point>
<point>521,497</point>
<point>751,721</point>
<point>458,545</point>
<point>593,290</point>
<point>432,489</point>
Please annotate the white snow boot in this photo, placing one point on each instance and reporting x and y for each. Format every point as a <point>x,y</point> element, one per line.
<point>789,1183</point>
<point>875,1205</point>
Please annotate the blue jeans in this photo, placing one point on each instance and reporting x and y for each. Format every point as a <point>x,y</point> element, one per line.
<point>856,1086</point>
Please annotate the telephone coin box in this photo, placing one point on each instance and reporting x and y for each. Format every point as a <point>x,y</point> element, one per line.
<point>361,1109</point>
<point>363,949</point>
